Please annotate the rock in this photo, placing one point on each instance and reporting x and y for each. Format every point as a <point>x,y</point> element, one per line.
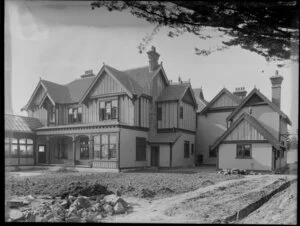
<point>48,216</point>
<point>98,218</point>
<point>108,209</point>
<point>82,202</point>
<point>29,198</point>
<point>40,219</point>
<point>55,219</point>
<point>45,197</point>
<point>64,204</point>
<point>14,203</point>
<point>26,202</point>
<point>119,208</point>
<point>91,216</point>
<point>16,215</point>
<point>71,198</point>
<point>96,207</point>
<point>100,198</point>
<point>73,219</point>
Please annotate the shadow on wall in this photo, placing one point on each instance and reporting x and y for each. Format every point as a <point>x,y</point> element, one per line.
<point>292,156</point>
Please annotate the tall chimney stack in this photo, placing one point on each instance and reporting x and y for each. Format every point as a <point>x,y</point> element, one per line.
<point>153,59</point>
<point>276,81</point>
<point>240,92</point>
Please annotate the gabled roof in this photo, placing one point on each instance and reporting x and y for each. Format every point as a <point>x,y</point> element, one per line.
<point>223,91</point>
<point>15,123</point>
<point>253,122</point>
<point>175,92</point>
<point>270,103</point>
<point>143,76</point>
<point>164,138</point>
<point>58,93</point>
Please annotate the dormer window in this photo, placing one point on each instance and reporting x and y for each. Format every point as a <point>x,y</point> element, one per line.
<point>75,115</point>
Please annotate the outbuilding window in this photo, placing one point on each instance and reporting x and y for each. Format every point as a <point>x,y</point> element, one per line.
<point>243,151</point>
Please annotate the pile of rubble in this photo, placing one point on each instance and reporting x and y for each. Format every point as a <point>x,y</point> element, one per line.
<point>69,209</point>
<point>238,171</point>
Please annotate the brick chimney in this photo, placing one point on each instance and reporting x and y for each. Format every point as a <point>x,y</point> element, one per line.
<point>88,73</point>
<point>276,81</point>
<point>153,58</point>
<point>240,92</point>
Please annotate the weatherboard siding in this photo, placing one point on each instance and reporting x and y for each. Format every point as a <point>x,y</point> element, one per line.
<point>223,101</point>
<point>39,113</point>
<point>106,85</point>
<point>188,122</point>
<point>169,115</point>
<point>144,110</point>
<point>38,96</point>
<point>126,110</point>
<point>265,115</point>
<point>244,131</point>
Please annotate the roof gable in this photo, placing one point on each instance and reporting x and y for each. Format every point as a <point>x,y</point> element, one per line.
<point>36,96</point>
<point>223,99</point>
<point>177,92</point>
<point>255,96</point>
<point>261,132</point>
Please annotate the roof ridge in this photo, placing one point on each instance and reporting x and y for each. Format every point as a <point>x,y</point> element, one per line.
<point>134,68</point>
<point>53,82</point>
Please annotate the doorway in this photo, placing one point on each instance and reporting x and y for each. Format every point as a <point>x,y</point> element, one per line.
<point>42,154</point>
<point>155,156</point>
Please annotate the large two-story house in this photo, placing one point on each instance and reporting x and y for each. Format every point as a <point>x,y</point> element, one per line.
<point>115,119</point>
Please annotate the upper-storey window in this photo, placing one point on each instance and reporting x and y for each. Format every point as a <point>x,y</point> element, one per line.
<point>159,113</point>
<point>108,110</point>
<point>181,112</point>
<point>75,114</point>
<point>51,115</point>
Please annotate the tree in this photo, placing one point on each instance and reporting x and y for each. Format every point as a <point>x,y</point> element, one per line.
<point>268,28</point>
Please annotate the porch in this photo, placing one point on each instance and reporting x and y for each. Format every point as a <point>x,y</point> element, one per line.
<point>97,150</point>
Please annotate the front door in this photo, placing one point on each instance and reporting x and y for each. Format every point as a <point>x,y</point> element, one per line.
<point>42,154</point>
<point>154,156</point>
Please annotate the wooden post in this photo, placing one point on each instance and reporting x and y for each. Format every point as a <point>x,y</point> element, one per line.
<point>74,150</point>
<point>91,147</point>
<point>171,154</point>
<point>48,149</point>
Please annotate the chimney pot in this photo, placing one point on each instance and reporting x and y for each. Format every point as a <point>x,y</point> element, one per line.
<point>240,92</point>
<point>87,73</point>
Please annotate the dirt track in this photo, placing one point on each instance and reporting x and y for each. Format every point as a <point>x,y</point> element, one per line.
<point>203,205</point>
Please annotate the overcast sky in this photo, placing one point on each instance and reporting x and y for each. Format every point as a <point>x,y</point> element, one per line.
<point>58,41</point>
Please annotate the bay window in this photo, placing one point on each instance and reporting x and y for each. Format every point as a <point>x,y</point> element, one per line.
<point>18,147</point>
<point>105,146</point>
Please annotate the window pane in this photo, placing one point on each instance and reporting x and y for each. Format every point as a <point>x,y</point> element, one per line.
<point>247,153</point>
<point>22,150</point>
<point>114,103</point>
<point>14,150</point>
<point>30,150</point>
<point>104,139</point>
<point>6,149</point>
<point>41,148</point>
<point>113,151</point>
<point>29,141</point>
<point>112,139</point>
<point>7,139</point>
<point>97,139</point>
<point>102,104</point>
<point>14,140</point>
<point>22,141</point>
<point>104,151</point>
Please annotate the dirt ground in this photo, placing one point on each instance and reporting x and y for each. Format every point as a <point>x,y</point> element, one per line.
<point>280,209</point>
<point>203,205</point>
<point>194,196</point>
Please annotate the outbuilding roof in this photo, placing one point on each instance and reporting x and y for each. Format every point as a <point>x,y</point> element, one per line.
<point>253,122</point>
<point>15,123</point>
<point>270,103</point>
